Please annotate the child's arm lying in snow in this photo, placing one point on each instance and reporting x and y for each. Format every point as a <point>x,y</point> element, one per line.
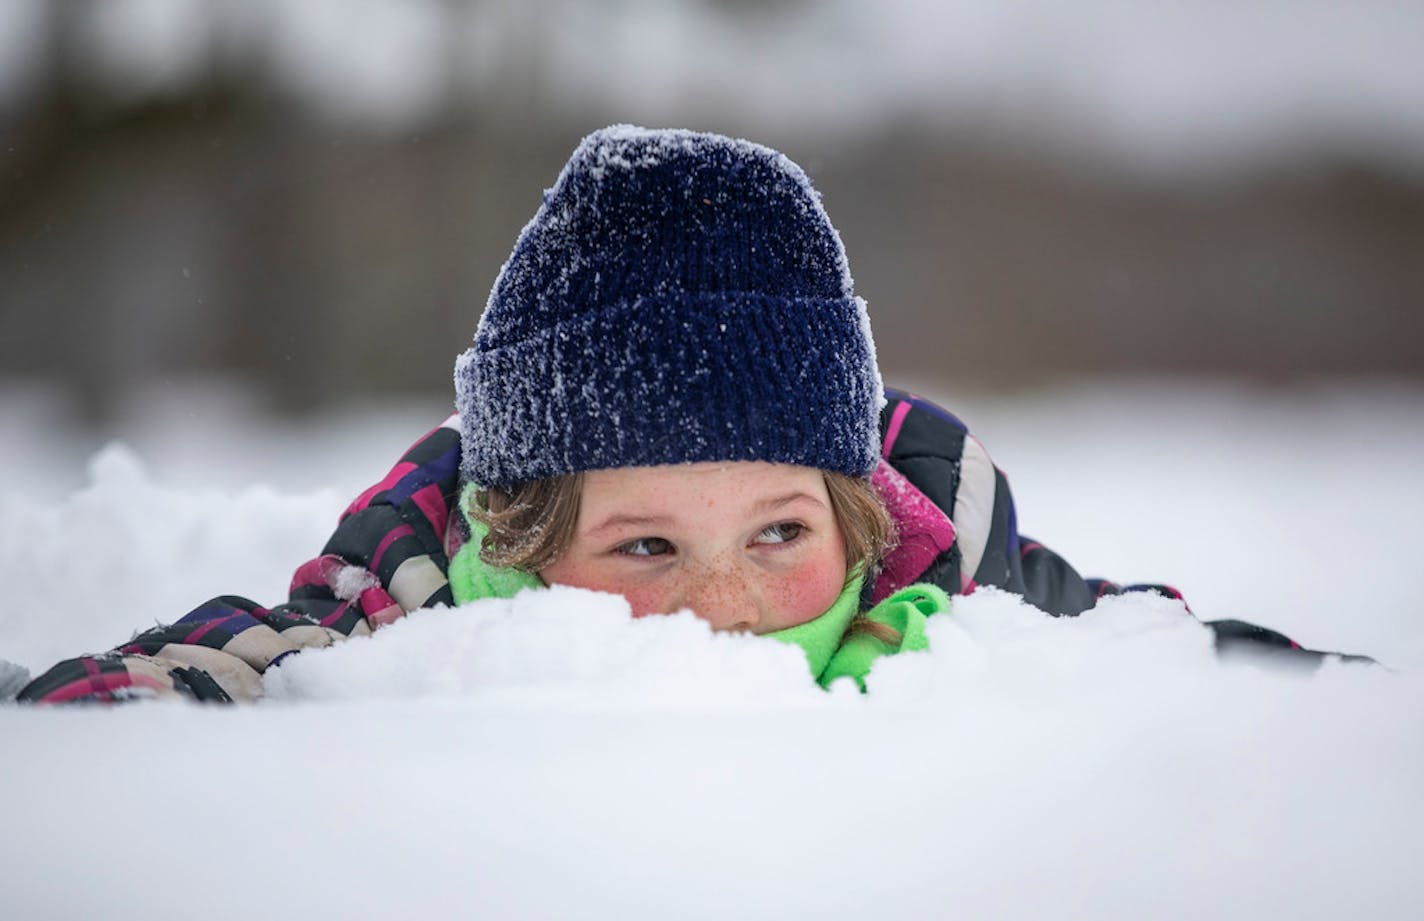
<point>386,557</point>
<point>950,470</point>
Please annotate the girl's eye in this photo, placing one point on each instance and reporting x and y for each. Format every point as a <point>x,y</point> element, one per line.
<point>646,546</point>
<point>780,533</point>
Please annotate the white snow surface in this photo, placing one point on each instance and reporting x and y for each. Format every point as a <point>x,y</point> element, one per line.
<point>548,756</point>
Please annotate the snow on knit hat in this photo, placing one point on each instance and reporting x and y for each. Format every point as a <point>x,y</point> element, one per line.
<point>678,297</point>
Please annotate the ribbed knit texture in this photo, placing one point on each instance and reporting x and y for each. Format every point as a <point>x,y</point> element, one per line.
<point>678,297</point>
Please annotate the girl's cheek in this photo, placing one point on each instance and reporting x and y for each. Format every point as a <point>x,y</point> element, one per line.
<point>643,599</point>
<point>808,591</point>
<point>802,593</point>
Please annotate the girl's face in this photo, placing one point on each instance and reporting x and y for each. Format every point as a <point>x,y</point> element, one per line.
<point>746,545</point>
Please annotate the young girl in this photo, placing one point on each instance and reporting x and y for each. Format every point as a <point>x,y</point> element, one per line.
<point>673,396</point>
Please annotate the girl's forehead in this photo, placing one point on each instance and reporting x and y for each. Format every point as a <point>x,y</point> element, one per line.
<point>749,480</point>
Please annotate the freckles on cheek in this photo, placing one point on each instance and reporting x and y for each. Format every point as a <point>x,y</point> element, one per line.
<point>643,600</point>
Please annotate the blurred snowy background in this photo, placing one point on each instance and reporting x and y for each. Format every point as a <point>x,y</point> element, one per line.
<point>312,199</point>
<point>1164,258</point>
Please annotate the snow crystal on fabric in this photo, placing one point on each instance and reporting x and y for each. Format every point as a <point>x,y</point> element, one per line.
<point>351,581</point>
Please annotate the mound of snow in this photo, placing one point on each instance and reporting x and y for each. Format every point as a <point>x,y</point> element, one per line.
<point>555,648</point>
<point>550,757</point>
<point>122,553</point>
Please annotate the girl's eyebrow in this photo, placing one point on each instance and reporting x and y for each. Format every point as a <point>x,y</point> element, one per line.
<point>618,520</point>
<point>775,502</point>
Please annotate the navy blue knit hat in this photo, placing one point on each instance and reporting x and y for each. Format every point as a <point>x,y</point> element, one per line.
<point>678,297</point>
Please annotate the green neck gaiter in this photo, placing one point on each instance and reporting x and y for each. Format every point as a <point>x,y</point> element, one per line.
<point>820,638</point>
<point>904,613</point>
<point>471,578</point>
<point>830,653</point>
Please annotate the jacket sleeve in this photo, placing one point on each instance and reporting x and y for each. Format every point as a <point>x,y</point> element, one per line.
<point>935,452</point>
<point>386,557</point>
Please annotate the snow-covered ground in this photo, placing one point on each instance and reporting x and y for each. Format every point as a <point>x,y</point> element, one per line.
<point>549,757</point>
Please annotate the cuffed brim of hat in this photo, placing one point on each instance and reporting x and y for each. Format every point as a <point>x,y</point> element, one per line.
<point>674,379</point>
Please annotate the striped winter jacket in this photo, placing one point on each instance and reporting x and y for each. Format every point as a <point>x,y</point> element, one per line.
<point>391,548</point>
